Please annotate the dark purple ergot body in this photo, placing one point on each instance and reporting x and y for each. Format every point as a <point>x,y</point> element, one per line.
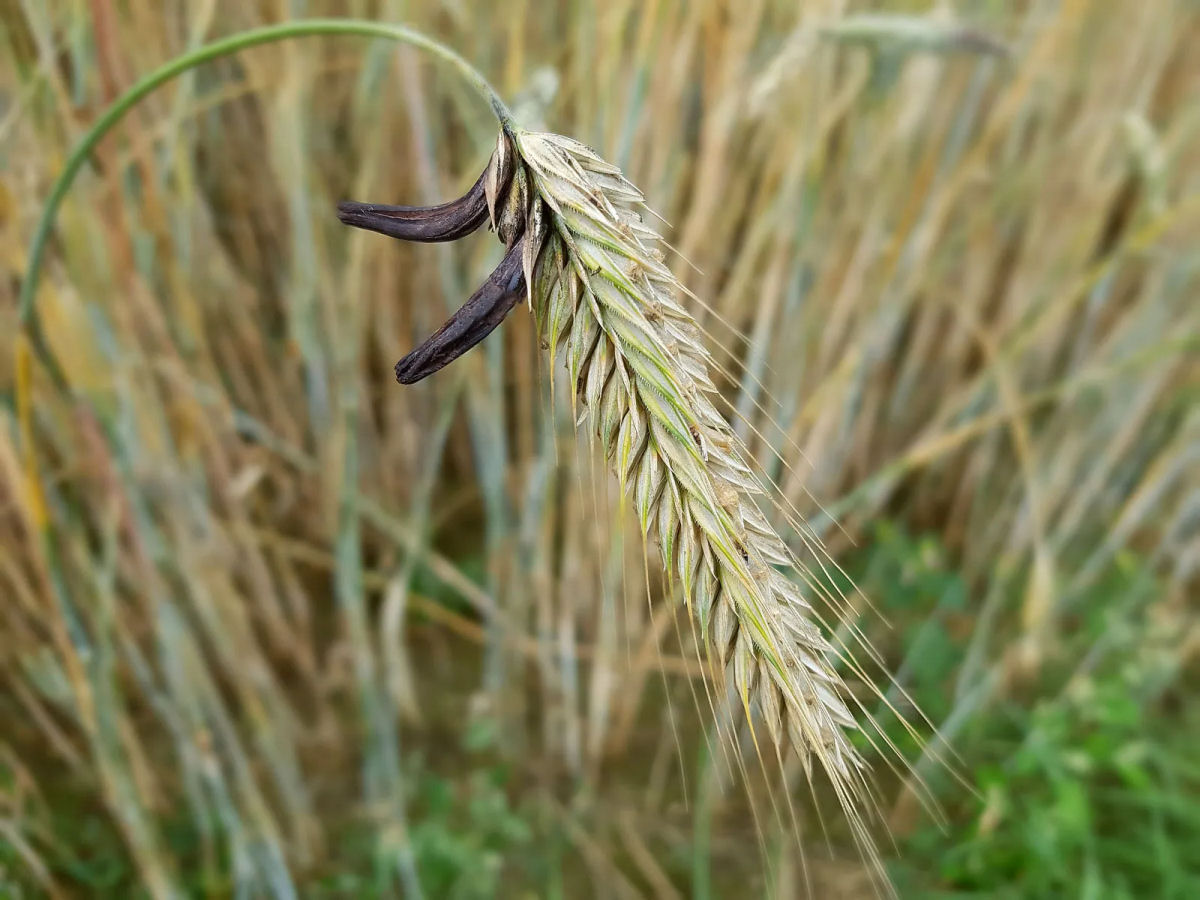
<point>475,320</point>
<point>495,298</point>
<point>427,224</point>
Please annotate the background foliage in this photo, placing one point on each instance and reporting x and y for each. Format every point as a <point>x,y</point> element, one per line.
<point>303,632</point>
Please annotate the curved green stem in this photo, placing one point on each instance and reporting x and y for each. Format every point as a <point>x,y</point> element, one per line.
<point>224,47</point>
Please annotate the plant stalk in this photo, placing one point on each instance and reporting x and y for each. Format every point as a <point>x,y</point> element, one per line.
<point>26,314</point>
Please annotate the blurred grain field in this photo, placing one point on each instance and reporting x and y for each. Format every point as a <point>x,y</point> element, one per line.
<point>283,628</point>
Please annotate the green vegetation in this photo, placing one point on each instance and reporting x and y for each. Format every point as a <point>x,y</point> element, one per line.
<point>1084,777</point>
<point>1085,774</point>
